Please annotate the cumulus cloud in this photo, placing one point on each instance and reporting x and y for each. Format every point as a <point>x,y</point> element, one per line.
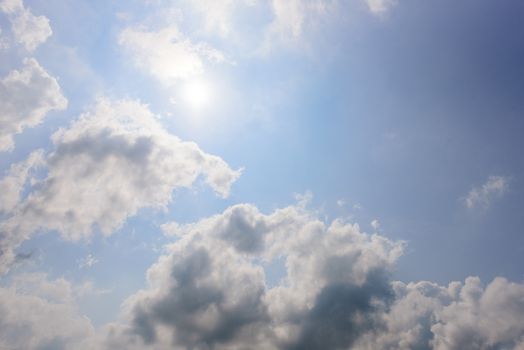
<point>38,313</point>
<point>209,289</point>
<point>27,96</point>
<point>109,163</point>
<point>28,29</point>
<point>167,54</point>
<point>460,316</point>
<point>482,196</point>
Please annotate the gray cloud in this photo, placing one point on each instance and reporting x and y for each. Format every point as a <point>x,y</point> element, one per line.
<point>209,292</point>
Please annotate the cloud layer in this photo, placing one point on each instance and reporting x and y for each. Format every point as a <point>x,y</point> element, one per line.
<point>210,290</point>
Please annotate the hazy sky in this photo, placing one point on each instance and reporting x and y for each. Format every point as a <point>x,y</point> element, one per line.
<point>249,174</point>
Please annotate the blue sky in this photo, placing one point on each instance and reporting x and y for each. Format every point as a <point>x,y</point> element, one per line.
<point>158,154</point>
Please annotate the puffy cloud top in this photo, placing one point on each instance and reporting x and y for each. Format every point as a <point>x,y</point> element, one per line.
<point>106,165</point>
<point>27,96</point>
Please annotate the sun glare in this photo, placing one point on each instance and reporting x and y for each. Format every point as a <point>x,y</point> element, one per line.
<point>197,93</point>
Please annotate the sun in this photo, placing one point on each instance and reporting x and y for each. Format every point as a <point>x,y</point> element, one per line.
<point>197,93</point>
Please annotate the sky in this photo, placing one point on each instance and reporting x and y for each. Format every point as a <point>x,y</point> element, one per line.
<point>250,174</point>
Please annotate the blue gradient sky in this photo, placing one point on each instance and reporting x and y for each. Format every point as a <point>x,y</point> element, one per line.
<point>396,115</point>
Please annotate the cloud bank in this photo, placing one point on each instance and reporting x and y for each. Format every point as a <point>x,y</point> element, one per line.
<point>209,290</point>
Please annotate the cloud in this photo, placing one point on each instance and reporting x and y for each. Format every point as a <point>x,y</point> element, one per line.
<point>108,164</point>
<point>28,29</point>
<point>482,196</point>
<point>27,96</point>
<point>88,261</point>
<point>375,224</point>
<point>12,185</point>
<point>380,7</point>
<point>209,289</point>
<point>167,54</point>
<point>36,313</point>
<point>482,318</point>
<point>459,316</point>
<point>290,18</point>
<point>217,14</point>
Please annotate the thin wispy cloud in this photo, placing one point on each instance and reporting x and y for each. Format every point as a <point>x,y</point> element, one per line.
<point>87,262</point>
<point>482,196</point>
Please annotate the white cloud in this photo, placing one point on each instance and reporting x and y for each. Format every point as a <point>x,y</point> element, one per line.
<point>37,313</point>
<point>167,54</point>
<point>482,196</point>
<point>28,29</point>
<point>4,43</point>
<point>486,318</point>
<point>380,7</point>
<point>27,96</point>
<point>108,164</point>
<point>13,183</point>
<point>466,315</point>
<point>87,262</point>
<point>375,224</point>
<point>291,18</point>
<point>217,14</point>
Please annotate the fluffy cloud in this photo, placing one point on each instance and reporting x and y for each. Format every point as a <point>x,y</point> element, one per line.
<point>106,165</point>
<point>482,196</point>
<point>12,185</point>
<point>166,53</point>
<point>459,316</point>
<point>28,29</point>
<point>36,313</point>
<point>27,96</point>
<point>209,290</point>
